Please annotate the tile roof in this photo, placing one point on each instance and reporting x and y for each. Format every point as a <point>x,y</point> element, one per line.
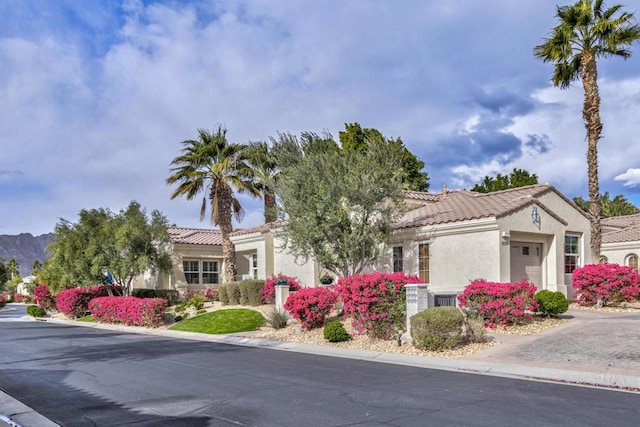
<point>463,205</point>
<point>629,234</point>
<point>621,221</point>
<point>209,236</point>
<point>195,236</point>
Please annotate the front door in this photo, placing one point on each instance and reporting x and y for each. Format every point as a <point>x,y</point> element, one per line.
<point>526,262</point>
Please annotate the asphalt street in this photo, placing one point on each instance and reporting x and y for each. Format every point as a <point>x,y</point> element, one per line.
<point>90,377</point>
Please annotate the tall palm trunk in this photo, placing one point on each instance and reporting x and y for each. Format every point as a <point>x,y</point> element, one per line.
<point>269,205</point>
<point>591,116</point>
<point>225,202</point>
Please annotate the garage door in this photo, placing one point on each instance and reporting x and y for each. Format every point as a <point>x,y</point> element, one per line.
<point>526,262</point>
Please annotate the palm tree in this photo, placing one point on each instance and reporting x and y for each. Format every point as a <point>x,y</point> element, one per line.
<point>13,267</point>
<point>35,267</point>
<point>585,32</point>
<point>213,166</point>
<point>264,170</point>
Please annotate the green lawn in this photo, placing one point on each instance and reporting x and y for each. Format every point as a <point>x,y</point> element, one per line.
<point>222,322</point>
<point>86,319</point>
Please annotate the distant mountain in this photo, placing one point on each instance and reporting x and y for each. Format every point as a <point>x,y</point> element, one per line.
<point>25,248</point>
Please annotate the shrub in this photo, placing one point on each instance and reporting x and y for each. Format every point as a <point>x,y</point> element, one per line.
<point>42,296</point>
<point>437,328</point>
<point>376,302</point>
<point>244,292</point>
<point>171,295</point>
<point>223,294</point>
<point>268,292</point>
<point>474,327</point>
<point>211,294</point>
<point>311,305</point>
<point>500,303</point>
<point>129,310</point>
<point>233,290</point>
<point>278,319</point>
<point>35,311</point>
<point>3,301</point>
<point>609,283</point>
<point>253,287</point>
<point>19,297</point>
<point>75,302</point>
<point>551,303</point>
<point>196,302</point>
<point>334,331</point>
<point>192,293</point>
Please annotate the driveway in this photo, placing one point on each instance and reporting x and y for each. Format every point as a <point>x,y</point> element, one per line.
<point>598,342</point>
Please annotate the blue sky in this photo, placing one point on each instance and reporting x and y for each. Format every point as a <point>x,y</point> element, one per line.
<point>97,95</point>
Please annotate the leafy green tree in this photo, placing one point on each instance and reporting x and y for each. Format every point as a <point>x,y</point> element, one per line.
<point>355,138</point>
<point>517,178</point>
<point>126,244</point>
<point>214,166</point>
<point>35,267</point>
<point>618,206</point>
<point>585,32</point>
<point>13,267</point>
<point>339,205</point>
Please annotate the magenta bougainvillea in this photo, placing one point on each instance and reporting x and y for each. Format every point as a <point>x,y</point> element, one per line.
<point>268,292</point>
<point>376,302</point>
<point>610,283</point>
<point>500,303</point>
<point>131,311</point>
<point>41,294</point>
<point>75,302</point>
<point>311,305</point>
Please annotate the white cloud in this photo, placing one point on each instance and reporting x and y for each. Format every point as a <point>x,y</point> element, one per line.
<point>631,177</point>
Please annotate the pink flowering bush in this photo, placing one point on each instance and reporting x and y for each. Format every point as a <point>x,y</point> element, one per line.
<point>75,302</point>
<point>42,296</point>
<point>500,303</point>
<point>131,311</point>
<point>3,300</point>
<point>376,302</point>
<point>311,305</point>
<point>610,283</point>
<point>268,291</point>
<point>20,298</point>
<point>212,294</point>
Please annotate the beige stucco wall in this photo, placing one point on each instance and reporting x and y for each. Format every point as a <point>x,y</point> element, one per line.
<point>307,271</point>
<point>458,253</point>
<point>183,252</point>
<point>618,253</point>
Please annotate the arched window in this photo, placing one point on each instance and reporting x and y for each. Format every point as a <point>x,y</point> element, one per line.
<point>632,261</point>
<point>604,260</point>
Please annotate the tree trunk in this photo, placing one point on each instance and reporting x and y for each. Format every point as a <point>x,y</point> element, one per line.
<point>225,201</point>
<point>269,206</point>
<point>591,116</point>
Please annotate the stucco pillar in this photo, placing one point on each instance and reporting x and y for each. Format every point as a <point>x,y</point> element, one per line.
<point>417,301</point>
<point>282,293</point>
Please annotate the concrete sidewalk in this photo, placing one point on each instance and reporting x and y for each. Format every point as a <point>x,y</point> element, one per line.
<point>594,349</point>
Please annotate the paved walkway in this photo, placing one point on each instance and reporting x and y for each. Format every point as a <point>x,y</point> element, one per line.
<point>591,349</point>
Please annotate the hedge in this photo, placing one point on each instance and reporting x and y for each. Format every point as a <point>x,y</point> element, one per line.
<point>170,295</point>
<point>131,311</point>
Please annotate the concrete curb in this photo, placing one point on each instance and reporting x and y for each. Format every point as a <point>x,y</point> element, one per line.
<point>17,414</point>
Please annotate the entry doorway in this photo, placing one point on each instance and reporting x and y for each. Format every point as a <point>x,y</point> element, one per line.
<point>526,262</point>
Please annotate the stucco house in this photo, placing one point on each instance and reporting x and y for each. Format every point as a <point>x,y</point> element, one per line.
<point>447,239</point>
<point>621,240</point>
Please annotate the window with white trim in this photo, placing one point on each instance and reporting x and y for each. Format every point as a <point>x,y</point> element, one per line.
<point>398,264</point>
<point>254,266</point>
<point>423,262</point>
<point>191,271</point>
<point>571,253</point>
<point>201,272</point>
<point>210,274</point>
